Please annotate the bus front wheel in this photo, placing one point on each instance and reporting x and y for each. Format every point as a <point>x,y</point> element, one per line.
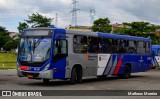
<point>45,81</point>
<point>73,76</point>
<point>79,75</point>
<point>76,75</point>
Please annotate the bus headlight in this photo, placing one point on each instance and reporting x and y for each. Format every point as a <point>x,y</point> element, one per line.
<point>46,67</point>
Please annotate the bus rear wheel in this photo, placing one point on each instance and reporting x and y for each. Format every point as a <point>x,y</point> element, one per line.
<point>126,74</point>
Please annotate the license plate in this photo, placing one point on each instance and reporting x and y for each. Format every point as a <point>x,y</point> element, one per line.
<point>30,76</point>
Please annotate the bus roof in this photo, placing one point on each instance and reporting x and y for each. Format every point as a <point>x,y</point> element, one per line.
<point>155,46</point>
<point>98,34</point>
<point>124,37</point>
<point>108,35</point>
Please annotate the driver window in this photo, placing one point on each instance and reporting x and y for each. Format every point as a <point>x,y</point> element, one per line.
<point>60,47</point>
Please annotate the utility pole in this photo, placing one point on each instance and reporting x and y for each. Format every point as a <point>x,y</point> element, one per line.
<point>74,12</point>
<point>56,20</point>
<point>92,15</point>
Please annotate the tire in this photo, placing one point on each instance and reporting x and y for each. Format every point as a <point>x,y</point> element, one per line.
<point>127,72</point>
<point>102,77</point>
<point>45,81</point>
<point>73,76</point>
<point>153,67</point>
<point>79,75</point>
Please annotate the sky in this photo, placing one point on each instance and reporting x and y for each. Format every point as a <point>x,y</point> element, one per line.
<point>14,11</point>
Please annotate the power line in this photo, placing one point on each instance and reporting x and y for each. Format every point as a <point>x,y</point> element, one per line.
<point>92,15</point>
<point>74,12</point>
<point>56,24</point>
<point>100,12</point>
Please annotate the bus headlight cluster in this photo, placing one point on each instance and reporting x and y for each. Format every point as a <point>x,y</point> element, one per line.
<point>46,67</point>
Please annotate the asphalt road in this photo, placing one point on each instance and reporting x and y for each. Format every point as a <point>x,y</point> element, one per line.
<point>149,80</point>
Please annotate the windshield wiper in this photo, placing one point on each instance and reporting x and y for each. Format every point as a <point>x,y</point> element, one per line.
<point>35,44</point>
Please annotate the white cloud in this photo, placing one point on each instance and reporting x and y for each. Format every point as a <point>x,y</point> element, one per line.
<point>66,2</point>
<point>14,11</point>
<point>3,3</point>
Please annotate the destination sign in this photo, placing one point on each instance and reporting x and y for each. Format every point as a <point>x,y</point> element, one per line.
<point>36,33</point>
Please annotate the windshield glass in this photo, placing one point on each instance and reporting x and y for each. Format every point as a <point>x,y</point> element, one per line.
<point>34,49</point>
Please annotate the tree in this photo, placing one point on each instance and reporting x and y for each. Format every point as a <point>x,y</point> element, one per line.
<point>38,20</point>
<point>9,45</point>
<point>102,25</point>
<point>136,28</point>
<point>35,20</point>
<point>123,31</point>
<point>142,29</point>
<point>3,29</point>
<point>4,37</point>
<point>22,25</point>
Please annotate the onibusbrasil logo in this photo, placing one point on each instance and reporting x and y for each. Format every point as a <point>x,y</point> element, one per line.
<point>21,93</point>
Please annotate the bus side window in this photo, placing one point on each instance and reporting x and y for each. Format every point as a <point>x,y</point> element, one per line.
<point>100,41</point>
<point>122,46</point>
<point>132,47</point>
<point>114,45</point>
<point>106,45</point>
<point>141,47</point>
<point>147,47</point>
<point>93,43</point>
<point>80,44</point>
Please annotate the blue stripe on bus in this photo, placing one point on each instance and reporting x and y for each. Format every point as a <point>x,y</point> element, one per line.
<point>60,65</point>
<point>107,65</point>
<point>113,60</point>
<point>60,69</point>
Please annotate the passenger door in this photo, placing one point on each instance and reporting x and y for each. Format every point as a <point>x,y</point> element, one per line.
<point>60,52</point>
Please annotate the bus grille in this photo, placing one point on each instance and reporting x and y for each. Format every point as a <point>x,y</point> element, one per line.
<point>34,74</point>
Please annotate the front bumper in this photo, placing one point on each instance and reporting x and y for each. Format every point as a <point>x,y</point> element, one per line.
<point>36,75</point>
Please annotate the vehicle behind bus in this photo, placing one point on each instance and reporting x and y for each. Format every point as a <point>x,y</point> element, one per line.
<point>155,56</point>
<point>52,53</point>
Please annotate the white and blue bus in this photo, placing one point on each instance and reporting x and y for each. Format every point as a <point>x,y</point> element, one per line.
<point>155,55</point>
<point>52,53</point>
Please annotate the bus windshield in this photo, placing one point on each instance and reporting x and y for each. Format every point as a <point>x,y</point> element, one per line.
<point>35,49</point>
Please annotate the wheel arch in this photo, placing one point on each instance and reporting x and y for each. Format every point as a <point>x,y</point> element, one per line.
<point>78,67</point>
<point>128,64</point>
